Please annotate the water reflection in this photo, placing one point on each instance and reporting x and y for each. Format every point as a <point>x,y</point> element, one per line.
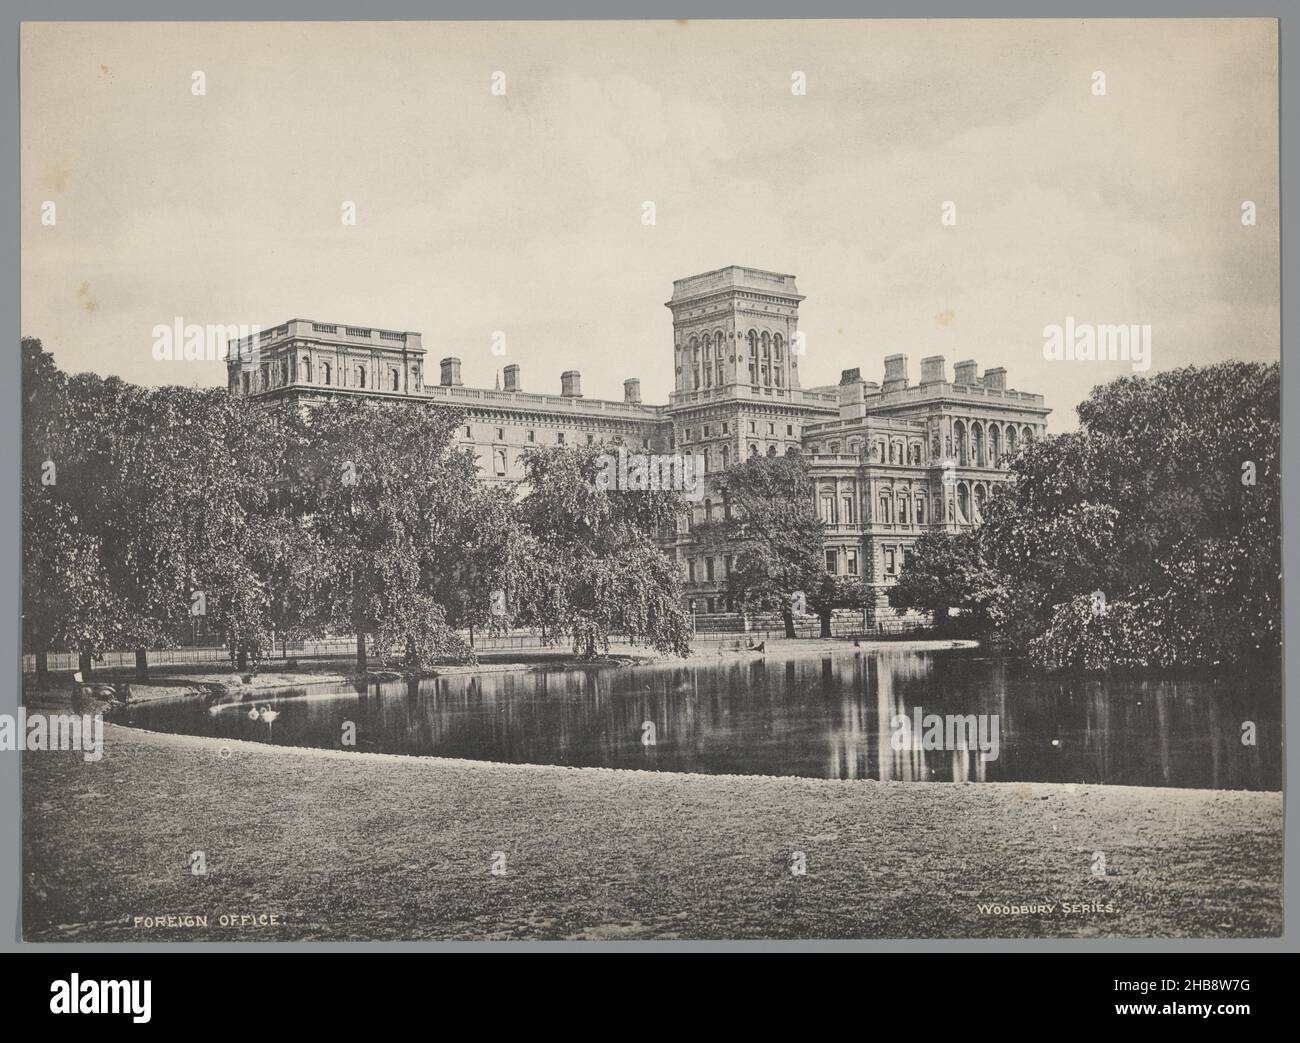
<point>827,717</point>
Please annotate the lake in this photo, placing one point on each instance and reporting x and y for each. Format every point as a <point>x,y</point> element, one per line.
<point>828,716</point>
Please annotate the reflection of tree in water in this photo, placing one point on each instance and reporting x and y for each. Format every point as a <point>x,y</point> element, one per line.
<point>821,716</point>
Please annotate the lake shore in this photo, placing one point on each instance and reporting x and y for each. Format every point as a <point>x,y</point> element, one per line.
<point>209,680</point>
<point>318,844</point>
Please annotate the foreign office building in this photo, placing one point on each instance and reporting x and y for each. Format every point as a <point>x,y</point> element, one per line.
<point>889,460</point>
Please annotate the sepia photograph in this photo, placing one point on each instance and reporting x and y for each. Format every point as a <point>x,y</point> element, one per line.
<point>649,480</point>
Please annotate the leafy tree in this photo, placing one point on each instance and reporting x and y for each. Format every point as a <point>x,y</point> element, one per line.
<point>773,527</point>
<point>945,571</point>
<point>587,563</point>
<point>1166,502</point>
<point>390,499</point>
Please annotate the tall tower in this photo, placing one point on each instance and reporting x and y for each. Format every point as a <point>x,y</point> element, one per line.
<point>735,326</point>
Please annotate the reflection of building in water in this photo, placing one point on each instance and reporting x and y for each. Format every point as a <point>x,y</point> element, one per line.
<point>890,460</point>
<point>874,692</point>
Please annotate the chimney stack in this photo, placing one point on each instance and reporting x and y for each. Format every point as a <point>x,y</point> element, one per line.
<point>571,384</point>
<point>850,376</point>
<point>964,372</point>
<point>996,379</point>
<point>895,373</point>
<point>512,377</point>
<point>932,369</point>
<point>450,372</point>
<point>632,391</point>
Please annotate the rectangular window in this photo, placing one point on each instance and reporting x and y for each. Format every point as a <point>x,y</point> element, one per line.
<point>590,439</point>
<point>889,561</point>
<point>789,429</point>
<point>752,428</point>
<point>708,569</point>
<point>468,432</point>
<point>771,429</point>
<point>726,429</point>
<point>559,438</point>
<point>852,563</point>
<point>847,516</point>
<point>690,570</point>
<point>532,436</point>
<point>501,434</point>
<point>832,561</point>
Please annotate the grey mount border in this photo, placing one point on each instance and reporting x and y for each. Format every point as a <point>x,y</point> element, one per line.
<point>531,10</point>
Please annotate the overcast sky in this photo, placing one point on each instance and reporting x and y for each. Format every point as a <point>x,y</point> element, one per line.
<point>523,213</point>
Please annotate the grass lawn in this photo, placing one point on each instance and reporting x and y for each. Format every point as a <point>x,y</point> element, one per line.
<point>343,845</point>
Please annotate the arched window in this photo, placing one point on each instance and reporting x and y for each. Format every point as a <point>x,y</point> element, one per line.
<point>705,457</point>
<point>753,356</point>
<point>726,456</point>
<point>361,376</point>
<point>886,511</point>
<point>963,503</point>
<point>753,449</point>
<point>771,450</point>
<point>1011,441</point>
<point>325,373</point>
<point>920,510</point>
<point>395,378</point>
<point>708,510</point>
<point>304,369</point>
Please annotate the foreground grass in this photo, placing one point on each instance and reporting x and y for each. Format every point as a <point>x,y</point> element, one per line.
<point>360,846</point>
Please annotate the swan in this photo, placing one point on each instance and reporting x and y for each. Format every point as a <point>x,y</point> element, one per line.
<point>269,715</point>
<point>254,714</point>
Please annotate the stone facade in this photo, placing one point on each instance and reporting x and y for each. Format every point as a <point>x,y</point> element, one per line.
<point>889,460</point>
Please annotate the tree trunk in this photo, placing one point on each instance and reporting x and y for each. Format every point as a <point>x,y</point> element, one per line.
<point>241,660</point>
<point>825,615</point>
<point>788,616</point>
<point>141,664</point>
<point>363,666</point>
<point>85,663</point>
<point>42,668</point>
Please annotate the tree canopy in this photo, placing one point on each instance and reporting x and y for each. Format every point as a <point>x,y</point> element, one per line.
<point>1150,537</point>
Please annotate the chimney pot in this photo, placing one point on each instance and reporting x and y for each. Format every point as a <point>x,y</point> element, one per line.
<point>932,368</point>
<point>996,379</point>
<point>571,384</point>
<point>450,372</point>
<point>895,373</point>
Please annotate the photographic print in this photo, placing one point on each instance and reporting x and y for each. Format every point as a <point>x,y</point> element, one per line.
<point>650,480</point>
